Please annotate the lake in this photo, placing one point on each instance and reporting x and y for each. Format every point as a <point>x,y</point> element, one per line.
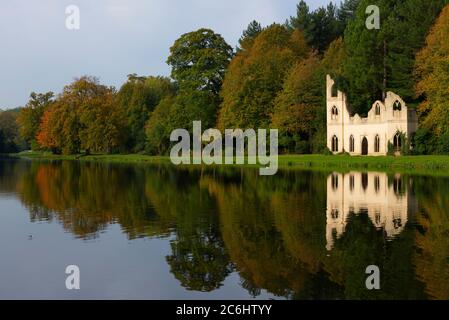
<point>145,231</point>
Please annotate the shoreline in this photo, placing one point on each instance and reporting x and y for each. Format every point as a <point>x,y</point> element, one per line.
<point>428,165</point>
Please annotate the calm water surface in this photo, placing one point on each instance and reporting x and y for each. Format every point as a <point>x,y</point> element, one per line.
<point>155,231</point>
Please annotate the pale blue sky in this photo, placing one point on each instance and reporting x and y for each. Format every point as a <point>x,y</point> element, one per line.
<point>117,37</point>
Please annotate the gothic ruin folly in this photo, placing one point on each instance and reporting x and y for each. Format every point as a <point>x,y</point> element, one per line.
<point>367,136</point>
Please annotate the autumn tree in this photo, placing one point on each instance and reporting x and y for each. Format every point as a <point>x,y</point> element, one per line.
<point>432,74</point>
<point>30,116</point>
<point>299,109</point>
<point>47,137</point>
<point>84,117</point>
<point>256,75</point>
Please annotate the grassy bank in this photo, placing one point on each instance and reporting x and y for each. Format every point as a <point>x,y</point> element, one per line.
<point>408,164</point>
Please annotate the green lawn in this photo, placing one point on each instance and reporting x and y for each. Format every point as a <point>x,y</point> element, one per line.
<point>412,164</point>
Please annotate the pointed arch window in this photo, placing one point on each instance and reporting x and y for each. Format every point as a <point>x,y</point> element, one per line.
<point>377,144</point>
<point>397,143</point>
<point>377,110</point>
<point>397,106</point>
<point>334,144</point>
<point>351,144</point>
<point>334,113</point>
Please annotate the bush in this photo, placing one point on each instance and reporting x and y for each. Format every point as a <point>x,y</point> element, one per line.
<point>443,143</point>
<point>422,142</point>
<point>302,147</point>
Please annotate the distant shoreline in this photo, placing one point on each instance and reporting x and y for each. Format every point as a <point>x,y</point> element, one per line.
<point>428,165</point>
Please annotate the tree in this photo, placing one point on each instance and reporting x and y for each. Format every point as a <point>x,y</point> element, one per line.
<point>381,60</point>
<point>299,111</point>
<point>138,97</point>
<point>159,127</point>
<point>47,138</point>
<point>199,60</point>
<point>432,74</point>
<point>324,25</point>
<point>84,117</point>
<point>256,75</point>
<point>248,36</point>
<point>29,118</point>
<point>297,105</point>
<point>9,132</point>
<point>409,27</point>
<point>347,12</point>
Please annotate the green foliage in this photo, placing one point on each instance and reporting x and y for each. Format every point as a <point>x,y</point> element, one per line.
<point>138,97</point>
<point>443,144</point>
<point>298,105</point>
<point>10,140</point>
<point>199,60</point>
<point>159,127</point>
<point>405,148</point>
<point>422,142</point>
<point>255,76</point>
<point>323,25</point>
<point>30,116</point>
<point>247,39</point>
<point>300,108</point>
<point>382,60</point>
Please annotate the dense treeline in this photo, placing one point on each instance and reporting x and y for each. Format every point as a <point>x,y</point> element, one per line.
<point>274,78</point>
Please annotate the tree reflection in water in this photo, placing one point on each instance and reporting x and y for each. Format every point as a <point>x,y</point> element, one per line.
<point>298,234</point>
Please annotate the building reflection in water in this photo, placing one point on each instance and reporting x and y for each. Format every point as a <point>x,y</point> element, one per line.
<point>386,199</point>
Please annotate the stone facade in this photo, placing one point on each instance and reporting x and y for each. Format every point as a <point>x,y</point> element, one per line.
<point>367,136</point>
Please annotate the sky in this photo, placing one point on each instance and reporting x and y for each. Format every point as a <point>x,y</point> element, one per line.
<point>116,38</point>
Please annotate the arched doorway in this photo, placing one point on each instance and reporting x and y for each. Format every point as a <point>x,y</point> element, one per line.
<point>334,144</point>
<point>364,146</point>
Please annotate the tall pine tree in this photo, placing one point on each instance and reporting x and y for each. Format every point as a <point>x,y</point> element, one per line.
<point>381,60</point>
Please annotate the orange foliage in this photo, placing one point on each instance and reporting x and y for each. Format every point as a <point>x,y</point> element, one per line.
<point>44,136</point>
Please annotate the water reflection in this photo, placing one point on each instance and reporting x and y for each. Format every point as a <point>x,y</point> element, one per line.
<point>297,235</point>
<point>385,199</point>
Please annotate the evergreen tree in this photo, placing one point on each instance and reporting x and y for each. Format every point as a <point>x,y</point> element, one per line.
<point>248,36</point>
<point>324,25</point>
<point>381,60</point>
